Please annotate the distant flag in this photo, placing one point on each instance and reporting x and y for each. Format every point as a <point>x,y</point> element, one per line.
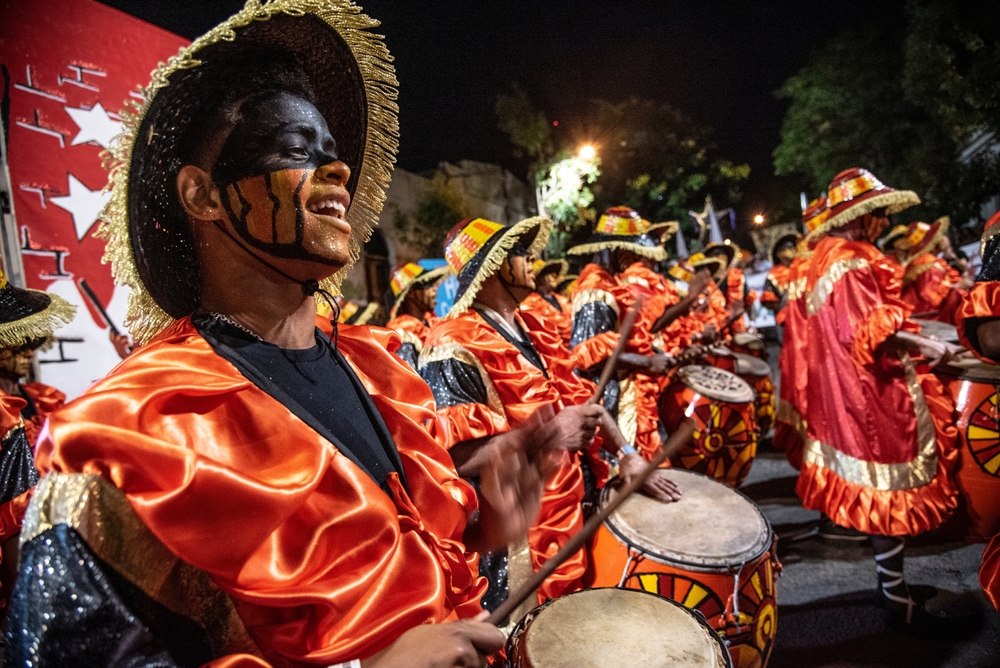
<point>682,249</point>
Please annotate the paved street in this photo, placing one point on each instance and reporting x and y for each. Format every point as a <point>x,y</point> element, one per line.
<point>826,612</point>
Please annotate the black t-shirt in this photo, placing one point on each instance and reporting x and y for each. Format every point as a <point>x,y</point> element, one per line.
<point>318,382</point>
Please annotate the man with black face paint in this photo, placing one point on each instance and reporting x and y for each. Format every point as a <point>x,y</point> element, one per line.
<point>494,377</point>
<point>246,490</point>
<point>879,439</point>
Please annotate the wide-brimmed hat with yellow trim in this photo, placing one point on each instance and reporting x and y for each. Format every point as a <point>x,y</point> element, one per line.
<point>893,238</point>
<point>715,263</point>
<point>353,85</point>
<point>663,232</point>
<point>475,249</point>
<point>815,214</point>
<point>621,228</point>
<point>727,248</point>
<point>921,237</point>
<point>567,283</point>
<point>855,192</point>
<point>558,266</point>
<point>783,239</point>
<point>29,317</point>
<point>411,275</point>
<point>353,313</point>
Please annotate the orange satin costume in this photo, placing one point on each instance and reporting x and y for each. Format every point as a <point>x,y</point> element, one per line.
<point>515,389</point>
<point>980,304</point>
<point>929,290</point>
<point>736,291</point>
<point>322,565</point>
<point>412,333</point>
<point>637,414</point>
<point>775,287</point>
<point>561,319</point>
<point>879,441</point>
<point>46,399</point>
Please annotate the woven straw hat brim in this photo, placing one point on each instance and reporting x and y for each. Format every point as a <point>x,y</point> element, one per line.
<point>558,265</point>
<point>663,232</point>
<point>894,201</point>
<point>729,249</point>
<point>425,278</point>
<point>939,228</point>
<point>790,236</point>
<point>489,258</point>
<point>40,314</point>
<point>350,71</point>
<point>717,261</point>
<point>639,244</point>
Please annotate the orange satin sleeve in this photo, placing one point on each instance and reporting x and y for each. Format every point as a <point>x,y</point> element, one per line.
<point>46,397</point>
<point>10,412</point>
<point>982,301</point>
<point>321,564</point>
<point>989,572</point>
<point>237,661</point>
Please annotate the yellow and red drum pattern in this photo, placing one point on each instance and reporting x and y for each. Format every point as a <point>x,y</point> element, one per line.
<point>697,551</point>
<point>978,476</point>
<point>725,438</point>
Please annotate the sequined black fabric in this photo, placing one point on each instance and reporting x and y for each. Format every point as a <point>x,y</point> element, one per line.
<point>69,609</point>
<point>408,353</point>
<point>454,383</point>
<point>16,303</point>
<point>990,270</point>
<point>493,567</point>
<point>17,466</point>
<point>592,319</point>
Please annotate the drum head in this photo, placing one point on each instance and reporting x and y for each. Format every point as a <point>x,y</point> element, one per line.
<point>716,384</point>
<point>620,627</point>
<point>974,370</point>
<point>942,331</point>
<point>748,365</point>
<point>712,527</point>
<point>748,340</point>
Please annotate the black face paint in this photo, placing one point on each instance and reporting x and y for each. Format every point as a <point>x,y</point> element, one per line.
<point>277,132</point>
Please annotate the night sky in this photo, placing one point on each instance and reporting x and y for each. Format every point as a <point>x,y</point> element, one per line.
<point>718,62</point>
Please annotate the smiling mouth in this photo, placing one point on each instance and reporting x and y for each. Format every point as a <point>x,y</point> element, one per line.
<point>327,207</point>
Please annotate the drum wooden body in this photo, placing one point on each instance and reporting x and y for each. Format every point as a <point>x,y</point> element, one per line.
<point>725,439</point>
<point>598,628</point>
<point>750,365</point>
<point>978,476</point>
<point>697,551</point>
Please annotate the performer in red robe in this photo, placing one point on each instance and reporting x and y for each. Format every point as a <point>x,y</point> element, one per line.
<point>546,302</point>
<point>879,444</point>
<point>927,281</point>
<point>244,490</point>
<point>732,283</point>
<point>414,294</point>
<point>783,253</point>
<point>28,319</point>
<point>491,373</point>
<point>978,324</point>
<point>600,299</point>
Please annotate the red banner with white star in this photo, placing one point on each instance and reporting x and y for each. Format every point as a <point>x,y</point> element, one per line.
<point>67,67</point>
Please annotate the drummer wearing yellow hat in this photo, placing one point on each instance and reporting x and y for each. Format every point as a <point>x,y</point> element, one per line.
<point>732,282</point>
<point>545,308</point>
<point>930,285</point>
<point>414,296</point>
<point>879,444</point>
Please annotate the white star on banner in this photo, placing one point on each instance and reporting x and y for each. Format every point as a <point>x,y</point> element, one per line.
<point>95,125</point>
<point>83,203</point>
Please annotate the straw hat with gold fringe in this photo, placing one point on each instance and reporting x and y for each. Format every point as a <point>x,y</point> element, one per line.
<point>149,243</point>
<point>621,228</point>
<point>715,263</point>
<point>476,248</point>
<point>855,192</point>
<point>727,248</point>
<point>411,275</point>
<point>29,317</point>
<point>893,238</point>
<point>558,266</point>
<point>920,237</point>
<point>663,232</point>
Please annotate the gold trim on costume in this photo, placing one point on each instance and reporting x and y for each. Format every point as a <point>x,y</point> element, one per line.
<point>796,289</point>
<point>10,432</point>
<point>589,295</point>
<point>886,477</point>
<point>100,513</point>
<point>824,286</point>
<point>145,319</point>
<point>786,413</point>
<point>457,351</point>
<point>914,270</point>
<point>406,336</point>
<point>627,421</point>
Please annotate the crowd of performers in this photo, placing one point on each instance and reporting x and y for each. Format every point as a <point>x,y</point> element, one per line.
<point>265,482</point>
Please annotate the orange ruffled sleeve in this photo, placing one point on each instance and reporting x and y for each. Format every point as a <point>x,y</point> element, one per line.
<point>980,304</point>
<point>878,310</point>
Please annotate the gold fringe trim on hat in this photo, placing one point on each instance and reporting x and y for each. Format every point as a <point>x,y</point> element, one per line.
<point>497,254</point>
<point>145,319</point>
<point>928,244</point>
<point>428,276</point>
<point>370,310</point>
<point>894,202</point>
<point>657,254</point>
<point>39,325</point>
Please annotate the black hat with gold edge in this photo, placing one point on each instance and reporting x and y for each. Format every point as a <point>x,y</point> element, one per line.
<point>29,317</point>
<point>352,83</point>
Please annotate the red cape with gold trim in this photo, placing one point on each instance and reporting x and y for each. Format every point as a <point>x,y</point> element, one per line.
<point>929,290</point>
<point>515,389</point>
<point>879,442</point>
<point>321,564</point>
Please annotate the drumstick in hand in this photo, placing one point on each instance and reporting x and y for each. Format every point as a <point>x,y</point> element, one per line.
<point>623,333</point>
<point>677,440</point>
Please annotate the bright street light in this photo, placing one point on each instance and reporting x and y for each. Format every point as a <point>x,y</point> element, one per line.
<point>758,219</point>
<point>588,152</point>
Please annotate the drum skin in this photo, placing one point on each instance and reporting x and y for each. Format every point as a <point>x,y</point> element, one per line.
<point>596,628</point>
<point>978,475</point>
<point>705,589</point>
<point>765,404</point>
<point>725,439</point>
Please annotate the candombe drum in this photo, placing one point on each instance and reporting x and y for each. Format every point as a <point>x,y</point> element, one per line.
<point>712,551</point>
<point>722,407</point>
<point>598,628</point>
<point>757,373</point>
<point>974,390</point>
